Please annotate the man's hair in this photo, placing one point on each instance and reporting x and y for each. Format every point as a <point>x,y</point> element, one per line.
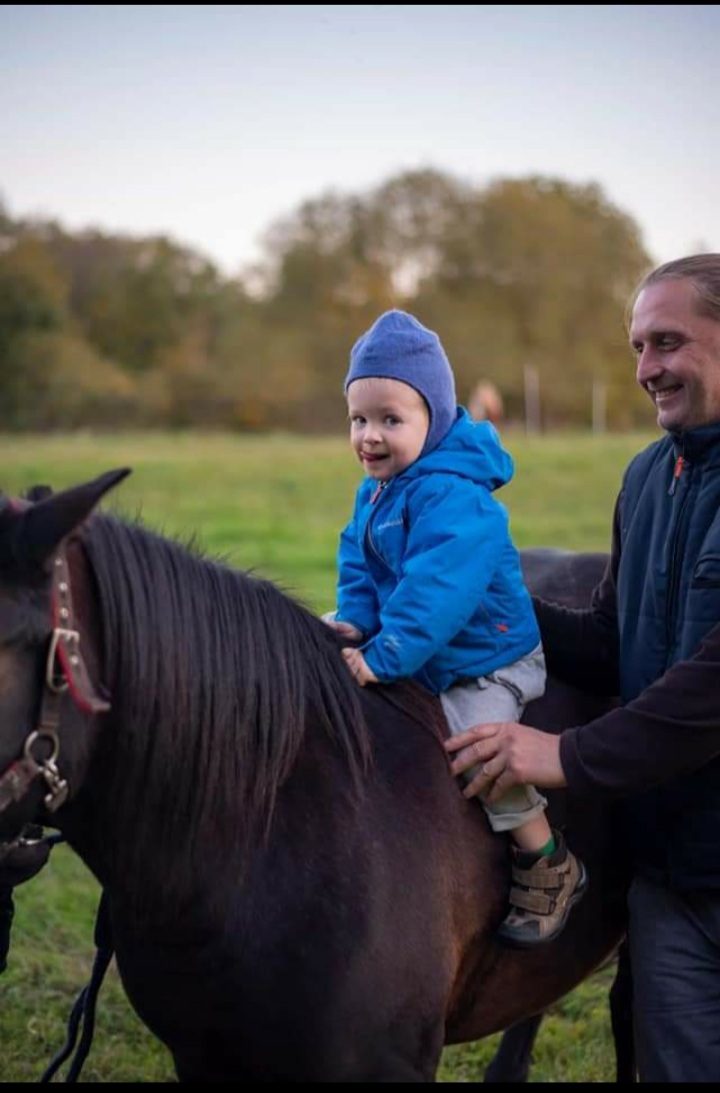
<point>703,270</point>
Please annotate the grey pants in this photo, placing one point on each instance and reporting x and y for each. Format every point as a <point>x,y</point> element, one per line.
<point>500,696</point>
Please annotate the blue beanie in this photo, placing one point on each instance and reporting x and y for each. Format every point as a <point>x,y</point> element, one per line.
<point>398,347</point>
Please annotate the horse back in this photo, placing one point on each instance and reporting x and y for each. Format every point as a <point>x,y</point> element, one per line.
<point>463,870</point>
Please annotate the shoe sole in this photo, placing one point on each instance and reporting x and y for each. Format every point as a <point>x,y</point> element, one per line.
<point>514,942</point>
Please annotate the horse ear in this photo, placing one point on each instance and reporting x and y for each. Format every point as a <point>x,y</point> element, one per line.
<point>37,493</point>
<point>43,526</point>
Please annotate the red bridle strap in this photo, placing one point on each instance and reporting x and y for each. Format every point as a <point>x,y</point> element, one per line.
<point>65,671</point>
<point>65,646</point>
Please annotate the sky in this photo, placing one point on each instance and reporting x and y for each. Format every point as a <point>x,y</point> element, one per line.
<point>210,123</point>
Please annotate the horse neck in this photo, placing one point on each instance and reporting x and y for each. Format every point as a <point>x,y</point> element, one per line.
<point>219,684</point>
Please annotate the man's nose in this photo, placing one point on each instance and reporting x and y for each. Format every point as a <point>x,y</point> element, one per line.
<point>648,366</point>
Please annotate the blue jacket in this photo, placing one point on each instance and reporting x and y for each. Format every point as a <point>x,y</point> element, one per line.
<point>427,569</point>
<point>668,598</point>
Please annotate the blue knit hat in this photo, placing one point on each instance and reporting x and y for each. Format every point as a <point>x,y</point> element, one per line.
<point>398,347</point>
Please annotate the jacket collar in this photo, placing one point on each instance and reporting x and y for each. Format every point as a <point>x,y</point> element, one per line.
<point>702,444</point>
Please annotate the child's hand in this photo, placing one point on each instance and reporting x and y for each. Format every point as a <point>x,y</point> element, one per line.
<point>356,664</point>
<point>345,629</point>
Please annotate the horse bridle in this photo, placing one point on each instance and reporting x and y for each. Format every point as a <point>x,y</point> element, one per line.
<point>65,671</point>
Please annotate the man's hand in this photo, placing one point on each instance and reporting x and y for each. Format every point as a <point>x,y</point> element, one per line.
<point>509,755</point>
<point>356,664</point>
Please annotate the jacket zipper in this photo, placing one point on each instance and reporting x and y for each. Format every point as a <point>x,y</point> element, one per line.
<point>377,491</point>
<point>681,465</point>
<point>377,496</point>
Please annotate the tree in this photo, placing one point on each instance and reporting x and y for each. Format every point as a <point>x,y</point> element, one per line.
<point>32,301</point>
<point>540,275</point>
<point>533,271</point>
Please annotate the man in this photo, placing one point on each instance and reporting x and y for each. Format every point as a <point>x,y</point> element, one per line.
<point>652,635</point>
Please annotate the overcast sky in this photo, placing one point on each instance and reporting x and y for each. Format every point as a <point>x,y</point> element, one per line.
<point>209,123</point>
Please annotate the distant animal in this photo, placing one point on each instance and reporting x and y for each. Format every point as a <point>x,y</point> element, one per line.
<point>486,403</point>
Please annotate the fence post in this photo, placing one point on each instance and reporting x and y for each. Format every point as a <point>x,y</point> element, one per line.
<point>599,405</point>
<point>532,399</point>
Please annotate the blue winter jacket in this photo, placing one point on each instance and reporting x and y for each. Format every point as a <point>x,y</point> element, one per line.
<point>428,571</point>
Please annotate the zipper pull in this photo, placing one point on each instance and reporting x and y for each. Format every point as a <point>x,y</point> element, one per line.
<point>377,491</point>
<point>679,468</point>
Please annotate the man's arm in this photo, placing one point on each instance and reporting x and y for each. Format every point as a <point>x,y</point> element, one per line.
<point>672,728</point>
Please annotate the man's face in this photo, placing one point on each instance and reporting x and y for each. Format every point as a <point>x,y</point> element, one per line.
<point>678,354</point>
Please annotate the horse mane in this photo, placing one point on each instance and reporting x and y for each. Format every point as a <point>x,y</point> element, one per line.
<point>215,676</point>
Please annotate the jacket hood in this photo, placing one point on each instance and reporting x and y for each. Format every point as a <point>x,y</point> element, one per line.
<point>471,449</point>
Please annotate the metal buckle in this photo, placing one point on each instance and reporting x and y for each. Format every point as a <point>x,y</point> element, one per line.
<point>39,734</point>
<point>58,683</point>
<point>57,785</point>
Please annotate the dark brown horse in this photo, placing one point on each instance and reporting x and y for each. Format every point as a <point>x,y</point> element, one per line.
<point>297,889</point>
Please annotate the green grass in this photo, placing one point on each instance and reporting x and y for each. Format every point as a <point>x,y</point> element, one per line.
<point>275,505</point>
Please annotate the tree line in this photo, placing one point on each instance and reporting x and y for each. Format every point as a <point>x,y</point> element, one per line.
<point>107,330</point>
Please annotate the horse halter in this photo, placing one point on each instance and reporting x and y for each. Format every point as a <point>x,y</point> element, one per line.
<point>65,670</point>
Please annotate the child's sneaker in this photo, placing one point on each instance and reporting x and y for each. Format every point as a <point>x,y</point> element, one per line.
<point>543,892</point>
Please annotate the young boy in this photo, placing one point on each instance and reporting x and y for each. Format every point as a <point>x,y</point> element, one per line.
<point>430,583</point>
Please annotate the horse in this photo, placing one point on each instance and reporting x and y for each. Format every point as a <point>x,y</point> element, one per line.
<point>296,887</point>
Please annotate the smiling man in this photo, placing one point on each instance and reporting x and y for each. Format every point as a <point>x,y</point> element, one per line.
<point>652,635</point>
<point>676,337</point>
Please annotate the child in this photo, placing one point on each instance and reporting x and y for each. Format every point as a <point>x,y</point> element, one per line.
<point>430,583</point>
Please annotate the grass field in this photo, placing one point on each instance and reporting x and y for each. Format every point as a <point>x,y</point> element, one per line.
<point>274,505</point>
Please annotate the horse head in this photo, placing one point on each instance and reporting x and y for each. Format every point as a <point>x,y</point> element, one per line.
<point>48,653</point>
